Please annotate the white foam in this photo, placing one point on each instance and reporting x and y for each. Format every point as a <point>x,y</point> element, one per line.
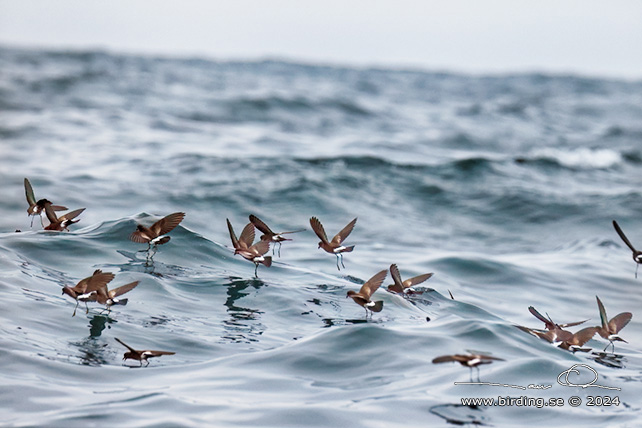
<point>580,158</point>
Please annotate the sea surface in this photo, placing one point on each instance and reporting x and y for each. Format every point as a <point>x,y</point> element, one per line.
<point>503,186</point>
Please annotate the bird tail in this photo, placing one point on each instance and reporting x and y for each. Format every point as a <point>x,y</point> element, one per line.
<point>267,262</point>
<point>348,249</point>
<point>378,306</point>
<point>120,302</point>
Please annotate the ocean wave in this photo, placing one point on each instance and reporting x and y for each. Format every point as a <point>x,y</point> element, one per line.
<point>581,158</point>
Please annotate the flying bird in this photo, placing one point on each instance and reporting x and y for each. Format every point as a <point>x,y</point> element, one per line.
<point>402,287</point>
<point>252,252</point>
<point>637,255</point>
<point>269,235</point>
<point>335,245</point>
<point>471,360</point>
<point>141,355</point>
<point>82,292</point>
<point>609,329</point>
<point>362,297</point>
<point>107,297</point>
<point>36,207</point>
<point>64,221</point>
<point>156,233</point>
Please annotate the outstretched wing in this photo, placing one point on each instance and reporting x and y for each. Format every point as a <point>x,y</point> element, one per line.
<point>31,199</point>
<point>122,289</point>
<point>260,247</point>
<point>158,353</point>
<point>98,281</point>
<point>603,317</point>
<point>70,215</point>
<point>373,283</point>
<point>125,345</point>
<point>549,324</point>
<point>247,236</point>
<point>318,229</point>
<point>623,236</point>
<point>235,241</point>
<point>619,321</point>
<point>258,223</point>
<point>167,223</point>
<point>416,280</point>
<point>396,278</point>
<point>584,335</point>
<point>449,358</point>
<point>339,237</point>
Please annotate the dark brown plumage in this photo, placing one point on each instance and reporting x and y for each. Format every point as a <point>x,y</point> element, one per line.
<point>82,292</point>
<point>362,297</point>
<point>470,360</point>
<point>141,355</point>
<point>252,252</point>
<point>637,255</point>
<point>154,235</point>
<point>335,245</point>
<point>402,287</point>
<point>609,329</point>
<point>64,221</point>
<point>107,297</point>
<point>269,235</point>
<point>36,207</point>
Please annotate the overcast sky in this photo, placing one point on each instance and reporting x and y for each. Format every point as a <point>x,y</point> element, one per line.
<point>591,37</point>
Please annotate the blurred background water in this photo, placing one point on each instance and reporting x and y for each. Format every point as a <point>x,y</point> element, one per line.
<point>504,186</point>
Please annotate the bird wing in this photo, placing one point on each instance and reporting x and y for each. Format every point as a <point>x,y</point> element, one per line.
<point>167,223</point>
<point>235,241</point>
<point>623,236</point>
<point>603,317</point>
<point>339,237</point>
<point>584,335</point>
<point>31,199</point>
<point>571,324</point>
<point>373,283</point>
<point>119,291</point>
<point>260,248</point>
<point>51,215</point>
<point>258,223</point>
<point>416,280</point>
<point>98,282</point>
<point>158,353</point>
<point>70,215</point>
<point>247,236</point>
<point>396,277</point>
<point>318,229</point>
<point>137,236</point>
<point>488,357</point>
<point>619,321</point>
<point>549,324</point>
<point>125,345</point>
<point>445,359</point>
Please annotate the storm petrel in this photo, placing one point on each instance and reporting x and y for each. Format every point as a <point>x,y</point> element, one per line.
<point>36,207</point>
<point>269,235</point>
<point>252,252</point>
<point>64,221</point>
<point>362,297</point>
<point>156,233</point>
<point>334,246</point>
<point>609,329</point>
<point>402,287</point>
<point>82,292</point>
<point>141,355</point>
<point>470,360</point>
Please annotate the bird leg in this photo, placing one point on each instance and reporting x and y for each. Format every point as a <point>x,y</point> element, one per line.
<point>637,265</point>
<point>74,314</point>
<point>344,266</point>
<point>256,270</point>
<point>279,249</point>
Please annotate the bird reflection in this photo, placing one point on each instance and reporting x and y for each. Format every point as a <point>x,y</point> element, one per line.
<point>93,352</point>
<point>242,325</point>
